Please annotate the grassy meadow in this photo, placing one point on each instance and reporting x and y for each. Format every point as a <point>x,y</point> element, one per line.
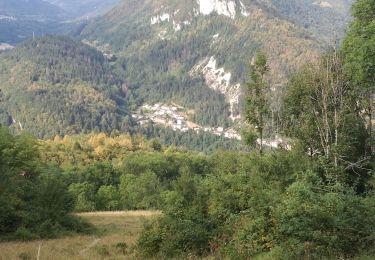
<point>115,236</point>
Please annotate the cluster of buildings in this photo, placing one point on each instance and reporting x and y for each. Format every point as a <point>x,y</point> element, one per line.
<point>163,115</point>
<point>5,46</point>
<point>175,117</point>
<point>220,131</point>
<point>276,142</point>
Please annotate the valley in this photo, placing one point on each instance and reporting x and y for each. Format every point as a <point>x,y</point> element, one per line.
<point>196,55</point>
<point>202,129</point>
<point>213,42</point>
<point>176,117</point>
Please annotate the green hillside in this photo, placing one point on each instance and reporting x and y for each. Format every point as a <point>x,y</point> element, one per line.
<point>59,86</point>
<point>56,85</point>
<point>123,110</point>
<point>190,54</point>
<point>164,47</point>
<point>326,20</point>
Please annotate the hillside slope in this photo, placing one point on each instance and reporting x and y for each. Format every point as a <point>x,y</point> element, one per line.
<point>55,85</point>
<point>324,19</point>
<point>173,50</point>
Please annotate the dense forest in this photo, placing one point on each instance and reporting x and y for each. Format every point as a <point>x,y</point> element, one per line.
<point>34,199</point>
<point>313,198</point>
<point>57,85</point>
<point>139,66</point>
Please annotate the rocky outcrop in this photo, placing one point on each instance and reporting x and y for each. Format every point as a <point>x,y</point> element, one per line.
<point>220,80</point>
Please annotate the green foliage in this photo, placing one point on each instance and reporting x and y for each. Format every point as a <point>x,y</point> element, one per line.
<point>84,195</point>
<point>191,140</point>
<point>359,55</point>
<point>277,206</point>
<point>107,197</point>
<point>140,191</point>
<point>358,44</point>
<point>184,228</point>
<point>257,98</point>
<point>35,202</point>
<point>322,111</point>
<point>118,172</point>
<point>328,219</point>
<point>57,85</point>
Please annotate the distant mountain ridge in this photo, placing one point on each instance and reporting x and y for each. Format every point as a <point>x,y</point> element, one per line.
<point>38,9</point>
<point>78,8</point>
<point>21,19</point>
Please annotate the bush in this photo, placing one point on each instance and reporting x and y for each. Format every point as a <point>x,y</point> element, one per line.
<point>185,226</point>
<point>34,199</point>
<point>24,234</point>
<point>77,225</point>
<point>122,247</point>
<point>24,256</point>
<point>102,251</point>
<point>276,206</point>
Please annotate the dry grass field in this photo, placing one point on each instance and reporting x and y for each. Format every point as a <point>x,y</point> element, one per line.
<point>115,238</point>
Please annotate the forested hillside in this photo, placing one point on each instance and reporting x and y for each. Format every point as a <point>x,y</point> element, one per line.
<point>325,20</point>
<point>167,51</point>
<point>56,85</point>
<point>315,201</point>
<point>188,51</point>
<point>309,196</point>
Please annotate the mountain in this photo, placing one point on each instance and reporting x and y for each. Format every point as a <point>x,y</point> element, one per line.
<point>324,19</point>
<point>56,85</point>
<point>192,56</point>
<point>196,53</point>
<point>38,9</point>
<point>21,19</point>
<point>84,7</point>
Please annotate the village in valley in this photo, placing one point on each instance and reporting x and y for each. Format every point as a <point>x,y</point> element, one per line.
<point>5,46</point>
<point>175,117</point>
